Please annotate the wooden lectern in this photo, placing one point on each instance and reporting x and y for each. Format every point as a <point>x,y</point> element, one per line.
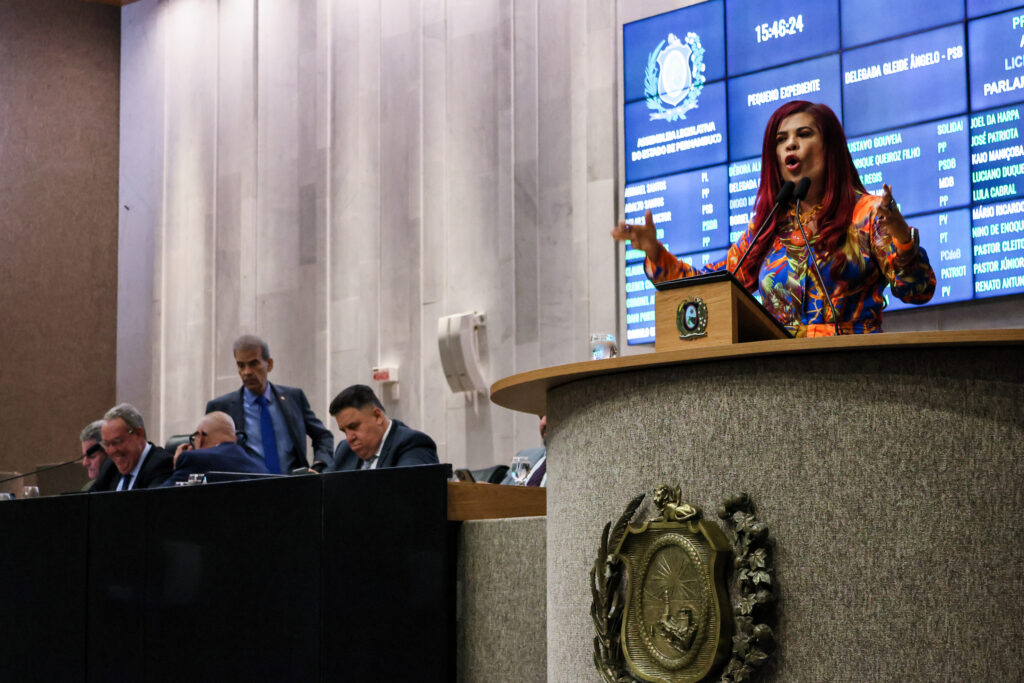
<point>710,310</point>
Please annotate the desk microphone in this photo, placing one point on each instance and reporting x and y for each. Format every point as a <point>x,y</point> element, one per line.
<point>41,469</point>
<point>785,192</point>
<point>801,191</point>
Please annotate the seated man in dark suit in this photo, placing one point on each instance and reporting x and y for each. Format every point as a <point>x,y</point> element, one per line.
<point>538,458</point>
<point>93,456</point>
<point>372,439</point>
<point>276,419</point>
<point>213,447</point>
<point>132,461</point>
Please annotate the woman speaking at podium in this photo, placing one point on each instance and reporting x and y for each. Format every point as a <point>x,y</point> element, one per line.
<point>860,242</point>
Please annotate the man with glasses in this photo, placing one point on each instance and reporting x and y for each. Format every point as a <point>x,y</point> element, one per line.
<point>132,461</point>
<point>93,455</point>
<point>213,447</point>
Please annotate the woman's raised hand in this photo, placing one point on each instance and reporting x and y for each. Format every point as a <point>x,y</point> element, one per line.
<point>642,236</point>
<point>890,218</point>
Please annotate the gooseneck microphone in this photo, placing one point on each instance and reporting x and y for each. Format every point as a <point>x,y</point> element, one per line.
<point>799,194</point>
<point>41,469</point>
<point>785,193</point>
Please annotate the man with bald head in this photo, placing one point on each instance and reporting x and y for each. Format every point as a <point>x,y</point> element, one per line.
<point>213,447</point>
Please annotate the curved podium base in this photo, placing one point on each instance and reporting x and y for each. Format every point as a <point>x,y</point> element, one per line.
<point>891,480</point>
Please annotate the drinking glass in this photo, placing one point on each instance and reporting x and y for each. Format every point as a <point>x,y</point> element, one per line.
<point>30,492</point>
<point>520,469</point>
<point>603,345</point>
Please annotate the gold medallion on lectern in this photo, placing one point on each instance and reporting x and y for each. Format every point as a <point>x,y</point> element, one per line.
<point>660,600</point>
<point>692,318</point>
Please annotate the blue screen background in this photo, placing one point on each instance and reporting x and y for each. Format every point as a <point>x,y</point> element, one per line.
<point>747,121</point>
<point>900,18</point>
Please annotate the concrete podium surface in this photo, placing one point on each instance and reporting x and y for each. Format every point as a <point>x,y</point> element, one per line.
<point>887,467</point>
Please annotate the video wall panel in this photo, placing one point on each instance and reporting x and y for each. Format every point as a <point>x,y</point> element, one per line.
<point>931,98</point>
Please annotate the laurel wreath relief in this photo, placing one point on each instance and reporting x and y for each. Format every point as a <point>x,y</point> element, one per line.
<point>753,589</point>
<point>752,592</point>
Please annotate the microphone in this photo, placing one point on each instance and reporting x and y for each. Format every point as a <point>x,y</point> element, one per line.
<point>785,192</point>
<point>41,469</point>
<point>799,194</point>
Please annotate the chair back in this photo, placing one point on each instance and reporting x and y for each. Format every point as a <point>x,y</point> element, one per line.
<point>490,475</point>
<point>175,441</point>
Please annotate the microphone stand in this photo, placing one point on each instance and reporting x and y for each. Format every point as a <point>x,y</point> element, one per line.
<point>784,194</point>
<point>40,469</point>
<point>814,261</point>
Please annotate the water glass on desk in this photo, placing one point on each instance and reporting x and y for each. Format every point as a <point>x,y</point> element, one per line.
<point>520,469</point>
<point>603,345</point>
<point>30,492</point>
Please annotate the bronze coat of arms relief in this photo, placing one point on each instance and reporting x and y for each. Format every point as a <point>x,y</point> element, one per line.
<point>660,601</point>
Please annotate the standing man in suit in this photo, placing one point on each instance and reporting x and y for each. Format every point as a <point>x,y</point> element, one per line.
<point>372,439</point>
<point>276,419</point>
<point>132,461</point>
<point>213,447</point>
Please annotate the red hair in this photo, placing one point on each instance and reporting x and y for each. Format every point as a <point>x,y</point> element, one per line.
<point>841,192</point>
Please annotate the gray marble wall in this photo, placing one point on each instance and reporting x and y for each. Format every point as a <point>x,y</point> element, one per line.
<point>335,175</point>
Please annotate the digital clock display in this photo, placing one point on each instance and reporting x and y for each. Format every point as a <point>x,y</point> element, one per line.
<point>779,28</point>
<point>770,33</point>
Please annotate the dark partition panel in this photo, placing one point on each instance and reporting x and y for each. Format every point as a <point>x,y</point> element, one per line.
<point>117,572</point>
<point>348,576</point>
<point>388,576</point>
<point>42,588</point>
<point>233,591</point>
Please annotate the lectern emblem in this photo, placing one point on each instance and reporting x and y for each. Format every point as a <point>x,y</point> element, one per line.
<point>676,622</point>
<point>692,318</point>
<point>660,605</point>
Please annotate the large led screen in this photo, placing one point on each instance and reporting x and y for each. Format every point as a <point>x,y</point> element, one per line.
<point>931,97</point>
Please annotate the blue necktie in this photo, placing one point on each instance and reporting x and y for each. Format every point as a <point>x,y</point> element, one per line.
<point>269,439</point>
<point>126,481</point>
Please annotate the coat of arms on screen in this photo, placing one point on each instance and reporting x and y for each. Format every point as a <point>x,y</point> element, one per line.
<point>674,77</point>
<point>660,600</point>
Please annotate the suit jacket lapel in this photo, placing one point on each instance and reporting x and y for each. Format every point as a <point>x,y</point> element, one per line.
<point>142,480</point>
<point>389,445</point>
<point>237,411</point>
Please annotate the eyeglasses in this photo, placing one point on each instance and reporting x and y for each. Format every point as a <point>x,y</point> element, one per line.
<point>192,437</point>
<point>91,450</point>
<point>116,443</point>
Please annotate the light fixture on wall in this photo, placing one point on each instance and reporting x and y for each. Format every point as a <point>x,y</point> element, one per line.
<point>460,358</point>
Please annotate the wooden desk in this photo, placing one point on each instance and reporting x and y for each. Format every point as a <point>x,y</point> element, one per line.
<point>467,501</point>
